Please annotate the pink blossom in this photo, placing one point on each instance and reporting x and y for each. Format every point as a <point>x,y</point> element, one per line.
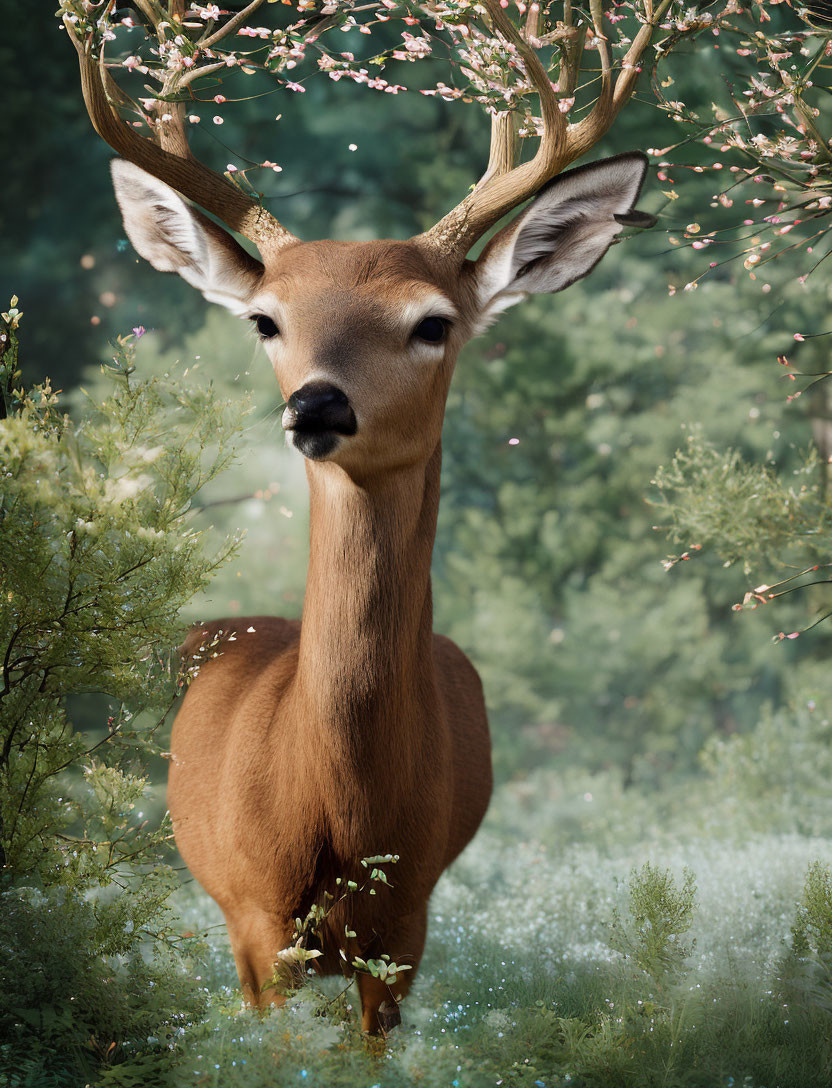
<point>421,47</point>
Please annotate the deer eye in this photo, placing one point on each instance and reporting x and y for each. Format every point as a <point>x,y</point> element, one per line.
<point>266,328</point>
<point>432,330</point>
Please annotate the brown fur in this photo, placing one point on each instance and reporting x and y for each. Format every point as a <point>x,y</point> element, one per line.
<point>303,747</point>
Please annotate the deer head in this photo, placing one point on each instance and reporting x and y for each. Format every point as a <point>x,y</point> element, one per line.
<point>363,337</point>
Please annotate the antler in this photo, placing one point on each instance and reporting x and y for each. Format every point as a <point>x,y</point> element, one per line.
<point>504,185</point>
<point>168,157</point>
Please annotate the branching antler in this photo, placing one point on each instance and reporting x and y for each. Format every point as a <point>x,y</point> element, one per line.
<point>505,185</point>
<point>168,156</point>
<point>500,57</point>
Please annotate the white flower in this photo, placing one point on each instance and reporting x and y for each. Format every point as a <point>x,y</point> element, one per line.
<point>296,954</point>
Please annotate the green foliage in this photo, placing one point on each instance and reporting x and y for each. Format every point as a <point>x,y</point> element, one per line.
<point>756,516</point>
<point>776,776</point>
<point>660,914</point>
<point>78,992</point>
<point>747,511</point>
<point>806,972</point>
<point>97,557</point>
<point>812,930</point>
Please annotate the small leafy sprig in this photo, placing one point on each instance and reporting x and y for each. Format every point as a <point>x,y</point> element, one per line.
<point>291,962</point>
<point>10,394</point>
<point>661,912</point>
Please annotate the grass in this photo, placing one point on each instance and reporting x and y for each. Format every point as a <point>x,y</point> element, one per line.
<point>524,981</point>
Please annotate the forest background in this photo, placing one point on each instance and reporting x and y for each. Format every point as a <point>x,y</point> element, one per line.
<point>641,725</point>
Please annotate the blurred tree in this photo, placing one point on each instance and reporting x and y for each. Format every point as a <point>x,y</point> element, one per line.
<point>548,568</point>
<point>547,571</point>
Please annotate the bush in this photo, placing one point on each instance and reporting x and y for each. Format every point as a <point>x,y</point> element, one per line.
<point>661,913</point>
<point>97,557</point>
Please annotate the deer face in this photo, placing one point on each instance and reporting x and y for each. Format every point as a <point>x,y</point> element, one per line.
<point>364,336</point>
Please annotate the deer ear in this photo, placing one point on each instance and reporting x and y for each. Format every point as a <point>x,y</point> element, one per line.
<point>563,233</point>
<point>174,237</point>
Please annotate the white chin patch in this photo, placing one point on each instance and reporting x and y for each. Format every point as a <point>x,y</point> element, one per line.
<point>315,445</point>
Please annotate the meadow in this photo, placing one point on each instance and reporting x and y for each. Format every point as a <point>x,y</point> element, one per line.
<point>555,957</point>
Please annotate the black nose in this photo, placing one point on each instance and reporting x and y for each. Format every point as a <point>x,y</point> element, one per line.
<point>318,407</point>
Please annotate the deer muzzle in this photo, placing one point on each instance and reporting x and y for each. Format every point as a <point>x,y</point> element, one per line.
<point>317,414</point>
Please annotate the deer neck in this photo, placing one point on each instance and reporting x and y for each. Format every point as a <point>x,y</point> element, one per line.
<point>365,666</point>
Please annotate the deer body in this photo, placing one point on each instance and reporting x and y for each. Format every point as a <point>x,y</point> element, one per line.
<point>304,747</point>
<point>301,748</point>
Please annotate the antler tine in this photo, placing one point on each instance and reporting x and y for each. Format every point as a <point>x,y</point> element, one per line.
<point>171,160</point>
<point>588,132</point>
<point>503,186</point>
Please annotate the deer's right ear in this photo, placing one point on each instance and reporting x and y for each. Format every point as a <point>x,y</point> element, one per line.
<point>174,237</point>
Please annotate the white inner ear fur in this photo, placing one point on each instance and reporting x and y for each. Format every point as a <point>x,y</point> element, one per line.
<point>174,237</point>
<point>561,236</point>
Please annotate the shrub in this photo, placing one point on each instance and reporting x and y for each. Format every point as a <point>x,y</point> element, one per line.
<point>660,914</point>
<point>97,557</point>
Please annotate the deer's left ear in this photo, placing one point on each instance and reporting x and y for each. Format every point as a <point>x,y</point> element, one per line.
<point>563,233</point>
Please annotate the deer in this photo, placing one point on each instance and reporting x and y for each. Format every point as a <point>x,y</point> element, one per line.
<point>302,746</point>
